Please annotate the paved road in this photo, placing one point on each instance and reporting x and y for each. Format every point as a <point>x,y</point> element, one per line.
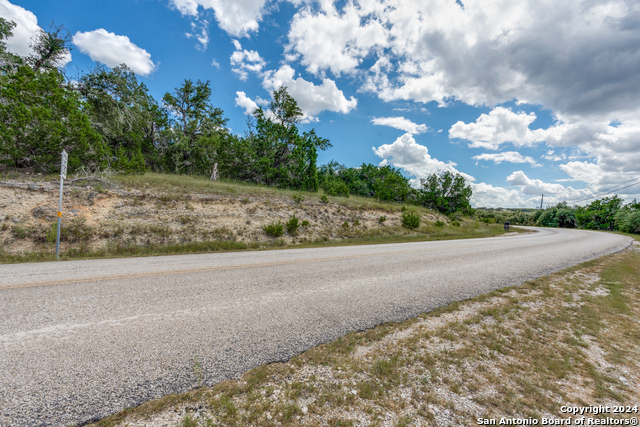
<point>84,339</point>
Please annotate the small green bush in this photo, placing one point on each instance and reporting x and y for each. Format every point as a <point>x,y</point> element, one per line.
<point>410,220</point>
<point>19,232</point>
<point>324,199</point>
<point>356,223</point>
<point>275,229</point>
<point>298,198</point>
<point>345,225</point>
<point>439,223</point>
<point>292,225</point>
<point>382,219</point>
<point>305,223</point>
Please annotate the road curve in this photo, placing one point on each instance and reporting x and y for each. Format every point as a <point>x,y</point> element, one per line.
<point>81,340</point>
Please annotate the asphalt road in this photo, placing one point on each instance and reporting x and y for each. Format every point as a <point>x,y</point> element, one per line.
<point>81,340</point>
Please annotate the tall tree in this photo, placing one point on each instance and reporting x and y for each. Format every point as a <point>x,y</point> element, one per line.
<point>126,116</point>
<point>446,193</point>
<point>198,129</point>
<point>49,48</point>
<point>278,155</point>
<point>39,117</point>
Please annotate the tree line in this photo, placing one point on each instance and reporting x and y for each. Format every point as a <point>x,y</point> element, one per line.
<point>608,213</point>
<point>106,118</point>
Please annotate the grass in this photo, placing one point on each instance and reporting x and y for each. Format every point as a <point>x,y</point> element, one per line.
<point>341,222</point>
<point>521,352</point>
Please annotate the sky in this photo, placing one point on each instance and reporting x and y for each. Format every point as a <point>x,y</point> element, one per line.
<point>522,98</point>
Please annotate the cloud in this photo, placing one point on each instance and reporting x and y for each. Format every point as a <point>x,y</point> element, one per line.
<point>25,30</point>
<point>498,127</point>
<point>238,17</point>
<point>335,41</point>
<point>312,99</point>
<point>405,153</point>
<point>113,50</point>
<point>246,103</point>
<point>200,33</point>
<point>244,61</point>
<point>575,57</point>
<point>506,156</point>
<point>486,195</point>
<point>400,123</point>
<point>536,186</point>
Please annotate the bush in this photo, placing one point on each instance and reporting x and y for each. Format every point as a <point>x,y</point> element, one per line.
<point>275,229</point>
<point>292,225</point>
<point>305,223</point>
<point>628,221</point>
<point>410,220</point>
<point>336,187</point>
<point>345,225</point>
<point>439,223</point>
<point>324,199</point>
<point>298,198</point>
<point>382,219</point>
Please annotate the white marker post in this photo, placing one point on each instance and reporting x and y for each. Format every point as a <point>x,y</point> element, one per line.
<point>63,176</point>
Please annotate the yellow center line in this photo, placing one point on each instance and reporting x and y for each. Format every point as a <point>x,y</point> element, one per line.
<point>209,269</point>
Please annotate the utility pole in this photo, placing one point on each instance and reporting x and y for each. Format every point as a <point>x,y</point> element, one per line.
<point>63,176</point>
<point>541,201</point>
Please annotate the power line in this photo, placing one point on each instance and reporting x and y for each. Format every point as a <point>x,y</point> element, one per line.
<point>609,191</point>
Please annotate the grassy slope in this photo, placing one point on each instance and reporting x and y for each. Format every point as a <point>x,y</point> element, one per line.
<point>338,222</point>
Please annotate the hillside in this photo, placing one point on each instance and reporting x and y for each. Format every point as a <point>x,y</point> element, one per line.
<point>128,215</point>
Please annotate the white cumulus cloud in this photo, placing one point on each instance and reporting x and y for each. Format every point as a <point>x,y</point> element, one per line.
<point>506,156</point>
<point>312,99</point>
<point>113,50</point>
<point>498,127</point>
<point>405,153</point>
<point>401,123</point>
<point>237,17</point>
<point>244,61</point>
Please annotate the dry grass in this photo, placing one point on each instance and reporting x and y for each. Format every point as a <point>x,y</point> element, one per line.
<point>572,338</point>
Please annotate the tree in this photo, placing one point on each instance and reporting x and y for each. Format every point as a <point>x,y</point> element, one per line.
<point>39,117</point>
<point>447,193</point>
<point>599,214</point>
<point>49,48</point>
<point>275,152</point>
<point>198,129</point>
<point>7,59</point>
<point>126,116</point>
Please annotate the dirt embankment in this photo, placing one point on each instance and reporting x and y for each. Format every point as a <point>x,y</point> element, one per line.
<point>95,217</point>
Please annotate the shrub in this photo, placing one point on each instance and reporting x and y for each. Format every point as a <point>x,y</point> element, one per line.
<point>345,225</point>
<point>410,220</point>
<point>336,187</point>
<point>356,223</point>
<point>440,223</point>
<point>292,225</point>
<point>382,219</point>
<point>628,221</point>
<point>324,199</point>
<point>275,229</point>
<point>305,223</point>
<point>19,232</point>
<point>298,198</point>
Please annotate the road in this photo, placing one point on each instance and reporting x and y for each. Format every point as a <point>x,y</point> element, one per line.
<point>81,340</point>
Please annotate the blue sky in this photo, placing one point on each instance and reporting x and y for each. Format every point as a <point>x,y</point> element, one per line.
<point>522,98</point>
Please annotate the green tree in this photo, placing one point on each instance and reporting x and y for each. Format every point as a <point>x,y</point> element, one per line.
<point>599,214</point>
<point>40,116</point>
<point>8,61</point>
<point>275,153</point>
<point>447,193</point>
<point>49,48</point>
<point>126,116</point>
<point>198,129</point>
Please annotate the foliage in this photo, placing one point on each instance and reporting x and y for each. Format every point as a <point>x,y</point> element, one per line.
<point>275,229</point>
<point>324,199</point>
<point>446,193</point>
<point>384,183</point>
<point>292,225</point>
<point>126,116</point>
<point>599,214</point>
<point>49,48</point>
<point>628,220</point>
<point>410,220</point>
<point>382,219</point>
<point>39,117</point>
<point>298,198</point>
